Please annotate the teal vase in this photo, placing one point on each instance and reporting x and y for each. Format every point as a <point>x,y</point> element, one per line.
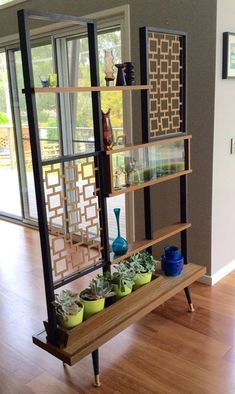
<point>119,245</point>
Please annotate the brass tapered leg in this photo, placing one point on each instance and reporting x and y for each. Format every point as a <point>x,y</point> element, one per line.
<point>97,381</point>
<point>191,307</point>
<point>95,360</point>
<point>188,296</point>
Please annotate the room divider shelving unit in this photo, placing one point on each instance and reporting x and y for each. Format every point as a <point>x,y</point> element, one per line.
<point>71,194</point>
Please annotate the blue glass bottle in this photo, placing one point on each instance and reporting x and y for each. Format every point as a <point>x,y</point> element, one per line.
<point>119,245</point>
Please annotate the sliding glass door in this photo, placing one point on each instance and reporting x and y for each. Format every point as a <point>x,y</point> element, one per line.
<point>47,119</point>
<point>10,201</point>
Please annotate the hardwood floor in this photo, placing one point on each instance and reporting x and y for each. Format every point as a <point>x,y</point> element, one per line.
<point>168,351</point>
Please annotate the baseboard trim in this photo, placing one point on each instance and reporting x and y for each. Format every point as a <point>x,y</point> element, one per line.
<point>211,280</point>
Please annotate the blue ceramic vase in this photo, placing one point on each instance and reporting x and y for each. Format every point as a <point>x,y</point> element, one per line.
<point>119,245</point>
<point>172,261</point>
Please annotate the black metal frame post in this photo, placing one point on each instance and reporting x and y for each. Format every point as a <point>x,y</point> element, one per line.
<point>99,146</point>
<point>95,361</point>
<point>100,180</point>
<point>145,129</point>
<point>37,167</point>
<point>184,240</point>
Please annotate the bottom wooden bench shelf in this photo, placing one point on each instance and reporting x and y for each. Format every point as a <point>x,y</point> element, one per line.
<point>91,334</point>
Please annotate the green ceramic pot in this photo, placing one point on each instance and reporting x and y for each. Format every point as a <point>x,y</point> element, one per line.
<point>91,307</point>
<point>72,320</point>
<point>119,293</point>
<point>142,279</point>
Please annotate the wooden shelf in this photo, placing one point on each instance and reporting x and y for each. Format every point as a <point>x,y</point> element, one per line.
<point>68,89</point>
<point>91,334</point>
<point>158,236</point>
<point>168,140</point>
<point>161,179</point>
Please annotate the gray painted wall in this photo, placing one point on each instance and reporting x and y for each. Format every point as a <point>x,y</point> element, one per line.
<point>223,218</point>
<point>198,19</point>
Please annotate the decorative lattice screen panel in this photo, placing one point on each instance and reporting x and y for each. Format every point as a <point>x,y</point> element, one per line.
<point>165,66</point>
<point>73,216</point>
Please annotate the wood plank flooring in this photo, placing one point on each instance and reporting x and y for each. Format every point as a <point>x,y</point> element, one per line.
<point>168,351</point>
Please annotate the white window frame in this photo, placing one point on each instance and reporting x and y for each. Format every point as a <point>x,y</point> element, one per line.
<point>11,4</point>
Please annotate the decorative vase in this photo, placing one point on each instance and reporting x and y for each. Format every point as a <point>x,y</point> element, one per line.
<point>119,245</point>
<point>107,130</point>
<point>44,81</point>
<point>129,73</point>
<point>172,262</point>
<point>52,80</point>
<point>108,66</point>
<point>120,81</point>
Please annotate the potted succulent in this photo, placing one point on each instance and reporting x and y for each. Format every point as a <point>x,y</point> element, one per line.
<point>69,309</point>
<point>123,279</point>
<point>93,297</point>
<point>144,265</point>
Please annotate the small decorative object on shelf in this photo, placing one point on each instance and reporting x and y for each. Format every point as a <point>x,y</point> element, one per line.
<point>69,309</point>
<point>107,130</point>
<point>44,81</point>
<point>119,245</point>
<point>120,81</point>
<point>120,140</point>
<point>118,171</point>
<point>108,66</point>
<point>172,261</point>
<point>129,73</point>
<point>52,78</point>
<point>130,170</point>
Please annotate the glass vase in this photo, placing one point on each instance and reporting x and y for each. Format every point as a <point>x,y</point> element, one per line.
<point>107,130</point>
<point>119,245</point>
<point>120,81</point>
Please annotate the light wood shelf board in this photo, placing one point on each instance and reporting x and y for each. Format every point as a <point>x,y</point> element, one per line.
<point>158,236</point>
<point>81,89</point>
<point>168,140</point>
<point>149,183</point>
<point>97,330</point>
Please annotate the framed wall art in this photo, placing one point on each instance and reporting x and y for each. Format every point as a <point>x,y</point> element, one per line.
<point>228,55</point>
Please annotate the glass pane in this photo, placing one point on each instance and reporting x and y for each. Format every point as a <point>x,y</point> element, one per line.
<point>136,166</point>
<point>47,117</point>
<point>81,106</point>
<point>10,193</point>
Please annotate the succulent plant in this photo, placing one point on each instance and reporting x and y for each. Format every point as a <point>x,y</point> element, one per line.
<point>124,276</point>
<point>142,262</point>
<point>67,303</point>
<point>99,287</point>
